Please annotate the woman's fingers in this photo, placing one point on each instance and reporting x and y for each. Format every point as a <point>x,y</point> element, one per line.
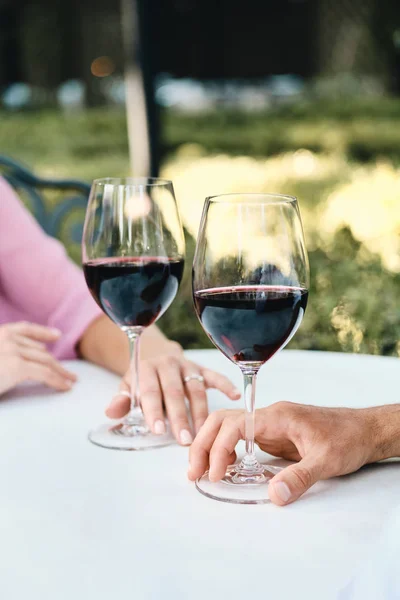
<point>170,376</point>
<point>151,398</point>
<point>215,380</point>
<point>196,394</point>
<point>120,404</point>
<point>162,387</point>
<point>44,374</point>
<point>35,332</point>
<point>43,357</point>
<point>22,340</point>
<point>23,345</point>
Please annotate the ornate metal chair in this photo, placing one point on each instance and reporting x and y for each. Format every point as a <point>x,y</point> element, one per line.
<point>59,218</point>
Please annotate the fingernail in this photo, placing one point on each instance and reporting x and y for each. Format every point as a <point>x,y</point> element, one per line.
<point>159,427</point>
<point>212,477</point>
<point>186,437</point>
<point>190,475</point>
<point>113,401</point>
<point>236,392</point>
<point>55,331</point>
<point>282,491</point>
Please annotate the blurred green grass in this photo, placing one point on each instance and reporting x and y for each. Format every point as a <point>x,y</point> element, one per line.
<point>354,296</point>
<point>89,143</point>
<point>81,145</point>
<point>361,130</point>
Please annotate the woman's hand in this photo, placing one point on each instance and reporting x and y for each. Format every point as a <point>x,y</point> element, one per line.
<point>325,441</point>
<point>23,356</point>
<point>163,386</point>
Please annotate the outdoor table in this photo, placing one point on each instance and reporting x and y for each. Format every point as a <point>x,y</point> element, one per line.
<point>82,522</point>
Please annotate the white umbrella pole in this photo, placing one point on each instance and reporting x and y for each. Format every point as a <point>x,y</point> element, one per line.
<point>136,113</point>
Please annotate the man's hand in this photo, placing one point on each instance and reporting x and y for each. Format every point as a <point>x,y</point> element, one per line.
<point>23,356</point>
<point>325,441</point>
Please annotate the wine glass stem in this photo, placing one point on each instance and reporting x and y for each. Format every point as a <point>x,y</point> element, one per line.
<point>134,349</point>
<point>249,462</point>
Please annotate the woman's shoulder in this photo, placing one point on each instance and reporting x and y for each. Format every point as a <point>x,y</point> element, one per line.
<point>9,199</point>
<point>5,187</point>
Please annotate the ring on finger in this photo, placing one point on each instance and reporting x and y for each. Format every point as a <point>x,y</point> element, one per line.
<point>194,376</point>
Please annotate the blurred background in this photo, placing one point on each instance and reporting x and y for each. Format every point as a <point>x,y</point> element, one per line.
<point>294,96</point>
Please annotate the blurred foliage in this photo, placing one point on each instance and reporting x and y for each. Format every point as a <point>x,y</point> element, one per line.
<point>341,159</point>
<point>361,130</point>
<point>352,223</point>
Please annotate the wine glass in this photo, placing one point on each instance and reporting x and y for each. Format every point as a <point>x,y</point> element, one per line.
<point>133,257</point>
<point>250,290</point>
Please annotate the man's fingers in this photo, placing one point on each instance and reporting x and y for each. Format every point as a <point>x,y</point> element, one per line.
<point>201,447</point>
<point>151,398</point>
<point>44,358</point>
<point>294,481</point>
<point>230,433</point>
<point>36,332</point>
<point>215,380</point>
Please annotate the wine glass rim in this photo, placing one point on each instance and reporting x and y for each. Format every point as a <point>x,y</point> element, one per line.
<point>132,181</point>
<point>250,197</point>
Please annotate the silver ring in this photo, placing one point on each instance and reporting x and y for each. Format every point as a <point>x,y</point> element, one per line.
<point>195,376</point>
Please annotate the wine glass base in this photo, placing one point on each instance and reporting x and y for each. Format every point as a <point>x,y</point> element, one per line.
<point>238,489</point>
<point>119,437</point>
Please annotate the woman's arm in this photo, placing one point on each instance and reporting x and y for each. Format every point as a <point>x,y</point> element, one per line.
<point>40,280</point>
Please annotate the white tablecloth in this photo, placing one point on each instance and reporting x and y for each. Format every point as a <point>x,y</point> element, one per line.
<point>81,522</point>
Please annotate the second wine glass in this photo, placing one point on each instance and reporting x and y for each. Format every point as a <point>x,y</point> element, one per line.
<point>250,290</point>
<point>133,257</point>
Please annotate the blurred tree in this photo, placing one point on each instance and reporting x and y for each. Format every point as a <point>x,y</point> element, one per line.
<point>10,59</point>
<point>346,42</point>
<point>54,40</point>
<point>386,30</point>
<point>99,34</point>
<point>40,29</point>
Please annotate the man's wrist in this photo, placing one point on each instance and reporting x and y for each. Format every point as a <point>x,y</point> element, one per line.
<point>384,431</point>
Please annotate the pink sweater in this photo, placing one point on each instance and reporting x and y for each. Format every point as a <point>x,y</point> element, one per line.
<point>38,282</point>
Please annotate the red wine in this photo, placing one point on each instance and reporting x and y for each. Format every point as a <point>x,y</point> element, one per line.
<point>249,324</point>
<point>134,292</point>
